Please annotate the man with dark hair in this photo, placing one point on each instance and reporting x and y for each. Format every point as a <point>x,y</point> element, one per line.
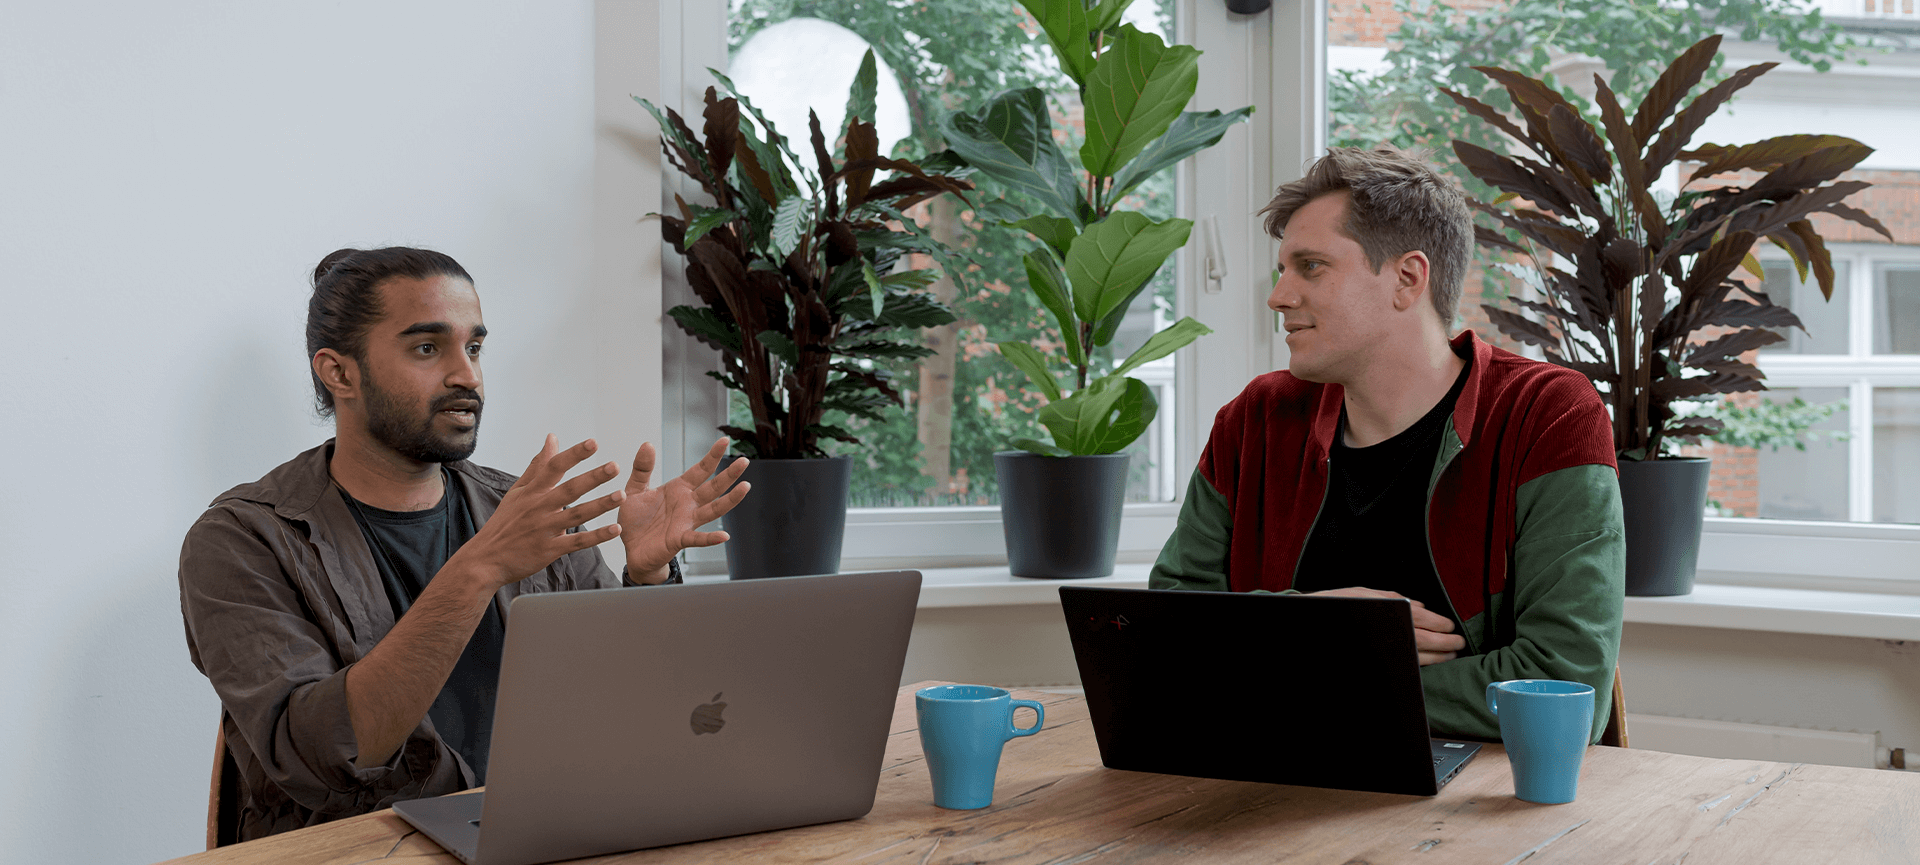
<point>350,606</point>
<point>1392,461</point>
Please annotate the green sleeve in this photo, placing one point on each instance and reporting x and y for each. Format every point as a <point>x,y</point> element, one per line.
<point>1195,557</point>
<point>1567,589</point>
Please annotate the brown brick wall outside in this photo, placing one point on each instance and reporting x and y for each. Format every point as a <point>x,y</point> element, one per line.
<point>1371,23</point>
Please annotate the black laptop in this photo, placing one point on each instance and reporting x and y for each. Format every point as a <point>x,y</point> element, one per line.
<point>1285,689</point>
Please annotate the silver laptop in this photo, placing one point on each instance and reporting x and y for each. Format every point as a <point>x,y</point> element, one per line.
<point>639,717</point>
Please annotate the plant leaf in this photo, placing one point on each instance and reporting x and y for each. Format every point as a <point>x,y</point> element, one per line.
<point>1067,27</point>
<point>1191,132</point>
<point>1672,86</point>
<point>1114,256</point>
<point>707,219</point>
<point>1049,283</point>
<point>1731,345</point>
<point>876,292</point>
<point>789,225</point>
<point>1052,230</point>
<point>1102,417</point>
<point>1764,155</point>
<point>1520,328</point>
<point>1133,96</point>
<point>706,325</point>
<point>914,310</point>
<point>1164,343</point>
<point>1041,448</point>
<point>779,345</point>
<point>1107,14</point>
<point>1681,130</point>
<point>1010,139</point>
<point>1817,255</point>
<point>1028,359</point>
<point>866,84</point>
<point>1580,145</point>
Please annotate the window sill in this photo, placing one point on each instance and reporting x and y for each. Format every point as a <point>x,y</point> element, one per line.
<point>1864,615</point>
<point>1784,610</point>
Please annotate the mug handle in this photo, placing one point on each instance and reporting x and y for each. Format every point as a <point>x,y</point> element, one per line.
<point>1040,717</point>
<point>1493,697</point>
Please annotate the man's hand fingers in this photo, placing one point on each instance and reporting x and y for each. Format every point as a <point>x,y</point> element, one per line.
<point>643,462</point>
<point>578,541</point>
<point>719,507</point>
<point>1430,658</point>
<point>1429,620</point>
<point>1430,641</point>
<point>536,469</point>
<point>584,483</point>
<point>581,513</point>
<point>707,464</point>
<point>564,461</point>
<point>714,486</point>
<point>702,539</point>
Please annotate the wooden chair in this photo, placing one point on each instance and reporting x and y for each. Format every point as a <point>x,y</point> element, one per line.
<point>223,795</point>
<point>1615,733</point>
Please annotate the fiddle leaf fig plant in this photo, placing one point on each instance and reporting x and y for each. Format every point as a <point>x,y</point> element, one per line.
<point>1641,296</point>
<point>1095,259</point>
<point>799,267</point>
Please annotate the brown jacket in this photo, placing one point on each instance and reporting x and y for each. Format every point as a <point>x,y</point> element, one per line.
<point>281,595</point>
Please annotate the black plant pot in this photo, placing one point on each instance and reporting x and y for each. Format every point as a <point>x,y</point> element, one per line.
<point>1061,515</point>
<point>1665,502</point>
<point>792,522</point>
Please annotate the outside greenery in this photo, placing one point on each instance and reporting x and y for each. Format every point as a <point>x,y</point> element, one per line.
<point>949,54</point>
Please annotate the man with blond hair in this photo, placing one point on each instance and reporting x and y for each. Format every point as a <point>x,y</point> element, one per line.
<point>1390,460</point>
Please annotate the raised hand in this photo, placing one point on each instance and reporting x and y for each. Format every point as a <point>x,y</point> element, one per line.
<point>657,523</point>
<point>1433,636</point>
<point>529,529</point>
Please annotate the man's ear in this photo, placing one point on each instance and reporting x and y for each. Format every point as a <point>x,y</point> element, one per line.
<point>1411,273</point>
<point>338,373</point>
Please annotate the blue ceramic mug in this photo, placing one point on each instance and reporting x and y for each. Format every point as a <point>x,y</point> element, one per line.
<point>1545,725</point>
<point>962,729</point>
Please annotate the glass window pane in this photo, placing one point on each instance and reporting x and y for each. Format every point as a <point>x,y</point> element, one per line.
<point>1896,309</point>
<point>1809,483</point>
<point>965,402</point>
<point>1825,321</point>
<point>1896,455</point>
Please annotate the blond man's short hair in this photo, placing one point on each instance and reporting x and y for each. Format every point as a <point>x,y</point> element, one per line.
<point>1398,202</point>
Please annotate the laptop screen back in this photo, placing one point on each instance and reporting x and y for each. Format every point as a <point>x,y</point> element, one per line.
<point>1286,689</point>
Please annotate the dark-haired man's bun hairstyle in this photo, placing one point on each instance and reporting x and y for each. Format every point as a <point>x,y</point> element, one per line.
<point>346,300</point>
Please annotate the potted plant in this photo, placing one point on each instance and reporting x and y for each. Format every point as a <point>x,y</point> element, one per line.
<point>798,264</point>
<point>1061,501</point>
<point>1640,296</point>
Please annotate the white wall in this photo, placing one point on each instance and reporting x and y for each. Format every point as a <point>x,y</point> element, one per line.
<point>169,175</point>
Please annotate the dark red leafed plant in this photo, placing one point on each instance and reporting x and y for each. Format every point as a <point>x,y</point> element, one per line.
<point>798,268</point>
<point>1641,297</point>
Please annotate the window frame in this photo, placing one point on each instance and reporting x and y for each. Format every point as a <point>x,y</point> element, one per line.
<point>1855,555</point>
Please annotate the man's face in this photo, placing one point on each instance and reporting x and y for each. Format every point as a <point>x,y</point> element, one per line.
<point>421,377</point>
<point>1336,309</point>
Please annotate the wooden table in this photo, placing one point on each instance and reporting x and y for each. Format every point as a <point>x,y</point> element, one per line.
<point>1055,804</point>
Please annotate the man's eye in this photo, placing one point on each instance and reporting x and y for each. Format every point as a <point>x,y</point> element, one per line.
<point>473,350</point>
<point>424,348</point>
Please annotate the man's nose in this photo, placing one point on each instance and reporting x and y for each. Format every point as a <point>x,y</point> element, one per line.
<point>1284,295</point>
<point>464,372</point>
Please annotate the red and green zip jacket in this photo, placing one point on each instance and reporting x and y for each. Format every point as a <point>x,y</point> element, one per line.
<point>1523,522</point>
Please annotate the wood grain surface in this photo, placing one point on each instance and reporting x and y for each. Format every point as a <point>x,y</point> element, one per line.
<point>1055,805</point>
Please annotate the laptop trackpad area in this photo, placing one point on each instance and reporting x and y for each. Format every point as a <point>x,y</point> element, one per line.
<point>1448,758</point>
<point>452,821</point>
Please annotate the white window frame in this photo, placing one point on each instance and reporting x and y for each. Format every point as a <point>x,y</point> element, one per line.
<point>1275,61</point>
<point>1841,556</point>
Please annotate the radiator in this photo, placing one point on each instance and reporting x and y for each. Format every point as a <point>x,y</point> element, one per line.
<point>1738,741</point>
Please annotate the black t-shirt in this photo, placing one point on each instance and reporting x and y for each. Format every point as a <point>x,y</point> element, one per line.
<point>1372,529</point>
<point>409,547</point>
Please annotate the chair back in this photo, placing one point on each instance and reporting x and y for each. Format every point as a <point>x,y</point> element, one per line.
<point>223,795</point>
<point>1615,733</point>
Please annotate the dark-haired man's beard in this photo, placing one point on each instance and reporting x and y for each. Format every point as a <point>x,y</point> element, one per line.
<point>411,433</point>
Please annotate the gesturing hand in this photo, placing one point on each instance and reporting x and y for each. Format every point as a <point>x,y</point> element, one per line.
<point>657,523</point>
<point>529,529</point>
<point>1433,635</point>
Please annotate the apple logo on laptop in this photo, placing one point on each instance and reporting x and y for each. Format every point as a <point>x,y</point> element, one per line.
<point>706,717</point>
